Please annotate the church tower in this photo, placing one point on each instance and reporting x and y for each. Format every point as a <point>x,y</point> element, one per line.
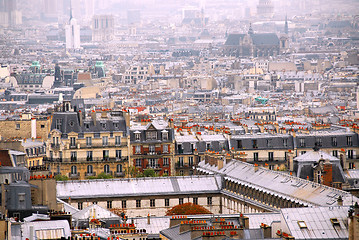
<point>72,31</point>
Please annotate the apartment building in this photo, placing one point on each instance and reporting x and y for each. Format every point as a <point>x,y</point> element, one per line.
<point>83,145</point>
<point>152,146</point>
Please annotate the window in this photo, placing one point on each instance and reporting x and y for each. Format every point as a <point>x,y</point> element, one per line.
<point>254,143</point>
<point>255,156</point>
<point>137,136</point>
<point>152,149</point>
<point>303,152</point>
<point>302,224</point>
<point>335,222</point>
<point>119,168</point>
<point>190,161</point>
<point>151,135</point>
<point>165,162</point>
<point>165,148</point>
<point>105,154</point>
<point>180,161</point>
<point>152,163</point>
<point>270,156</point>
<point>164,135</point>
<point>42,126</point>
<point>180,149</point>
<point>73,156</point>
<point>334,141</point>
<point>118,153</point>
<point>351,165</point>
<point>72,142</point>
<point>239,143</point>
<point>105,140</point>
<point>21,197</point>
<point>285,142</point>
<point>302,142</point>
<point>167,202</point>
<point>181,173</point>
<point>152,203</point>
<point>89,169</point>
<point>123,204</point>
<point>117,140</point>
<point>138,162</point>
<point>106,168</point>
<point>73,170</point>
<point>319,142</point>
<point>335,153</point>
<point>58,124</point>
<point>17,126</point>
<point>109,204</point>
<point>350,154</point>
<point>89,155</point>
<point>138,149</point>
<point>195,200</point>
<point>269,143</point>
<point>349,141</point>
<point>165,173</point>
<point>208,146</point>
<point>80,205</point>
<point>180,201</point>
<point>88,141</point>
<point>138,203</point>
<point>209,201</point>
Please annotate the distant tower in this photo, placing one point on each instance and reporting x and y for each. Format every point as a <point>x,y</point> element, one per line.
<point>250,30</point>
<point>72,33</point>
<point>265,8</point>
<point>286,25</point>
<point>58,78</point>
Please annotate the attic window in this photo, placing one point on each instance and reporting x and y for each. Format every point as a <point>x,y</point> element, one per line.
<point>71,123</point>
<point>335,222</point>
<point>302,224</point>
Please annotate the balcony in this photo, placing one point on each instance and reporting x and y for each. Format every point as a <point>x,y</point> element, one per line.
<point>155,166</point>
<point>119,174</point>
<point>55,147</point>
<point>267,160</point>
<point>91,174</point>
<point>74,175</point>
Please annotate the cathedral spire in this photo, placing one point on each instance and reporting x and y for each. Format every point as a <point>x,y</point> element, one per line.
<point>250,30</point>
<point>71,10</point>
<point>286,25</point>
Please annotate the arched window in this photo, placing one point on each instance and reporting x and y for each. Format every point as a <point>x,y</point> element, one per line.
<point>89,169</point>
<point>106,168</point>
<point>119,168</point>
<point>73,170</point>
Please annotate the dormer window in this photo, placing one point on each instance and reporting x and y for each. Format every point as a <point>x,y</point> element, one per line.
<point>164,135</point>
<point>151,135</point>
<point>104,125</point>
<point>137,136</point>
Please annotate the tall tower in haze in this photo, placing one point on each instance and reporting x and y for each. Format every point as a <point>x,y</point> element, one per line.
<point>72,31</point>
<point>265,8</point>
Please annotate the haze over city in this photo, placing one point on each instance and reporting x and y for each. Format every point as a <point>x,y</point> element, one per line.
<point>179,119</point>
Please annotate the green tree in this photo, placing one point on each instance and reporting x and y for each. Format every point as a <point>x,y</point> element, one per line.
<point>61,177</point>
<point>101,176</point>
<point>149,173</point>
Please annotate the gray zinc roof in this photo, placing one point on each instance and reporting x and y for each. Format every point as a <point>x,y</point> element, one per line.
<point>138,187</point>
<point>279,184</point>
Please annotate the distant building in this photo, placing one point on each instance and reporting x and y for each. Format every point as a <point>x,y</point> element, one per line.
<point>9,14</point>
<point>103,28</point>
<point>265,9</point>
<point>252,44</point>
<point>72,32</point>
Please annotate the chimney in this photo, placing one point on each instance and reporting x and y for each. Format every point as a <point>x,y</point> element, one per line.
<point>255,167</point>
<point>290,160</point>
<point>81,120</point>
<point>148,219</point>
<point>343,159</point>
<point>33,127</point>
<point>104,113</point>
<point>267,230</point>
<point>93,116</point>
<point>244,221</point>
<point>340,201</point>
<point>220,163</point>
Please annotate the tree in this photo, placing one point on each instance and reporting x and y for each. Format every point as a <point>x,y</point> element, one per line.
<point>149,173</point>
<point>61,177</point>
<point>187,209</point>
<point>101,176</point>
